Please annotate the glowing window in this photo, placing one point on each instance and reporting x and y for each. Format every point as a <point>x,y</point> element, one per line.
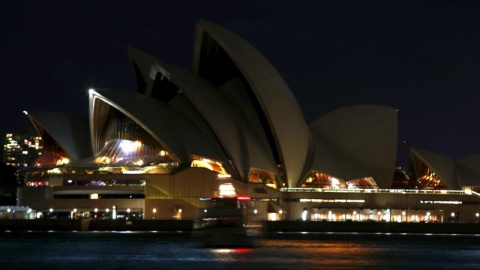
<point>201,162</point>
<point>263,177</point>
<point>322,180</point>
<point>426,177</point>
<point>362,183</point>
<point>119,152</point>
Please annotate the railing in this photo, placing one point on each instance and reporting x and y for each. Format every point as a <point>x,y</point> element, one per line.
<point>398,191</point>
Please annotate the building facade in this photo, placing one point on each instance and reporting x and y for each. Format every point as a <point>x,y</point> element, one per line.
<point>230,127</point>
<point>21,149</point>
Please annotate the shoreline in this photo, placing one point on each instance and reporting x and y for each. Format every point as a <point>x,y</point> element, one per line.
<point>270,227</point>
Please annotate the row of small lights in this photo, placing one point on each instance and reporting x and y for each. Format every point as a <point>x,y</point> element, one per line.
<point>404,213</point>
<point>96,210</point>
<point>10,210</point>
<point>154,210</point>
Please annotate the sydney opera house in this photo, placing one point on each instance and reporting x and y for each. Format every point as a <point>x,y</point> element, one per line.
<point>232,127</point>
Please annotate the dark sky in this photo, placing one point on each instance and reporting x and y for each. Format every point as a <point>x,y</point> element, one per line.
<point>421,57</point>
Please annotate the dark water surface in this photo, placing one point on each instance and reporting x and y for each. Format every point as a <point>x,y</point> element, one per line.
<point>156,250</point>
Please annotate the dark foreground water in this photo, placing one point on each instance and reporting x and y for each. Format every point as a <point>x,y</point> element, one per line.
<point>156,250</point>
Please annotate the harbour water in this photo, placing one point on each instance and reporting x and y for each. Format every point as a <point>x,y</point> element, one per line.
<point>157,250</point>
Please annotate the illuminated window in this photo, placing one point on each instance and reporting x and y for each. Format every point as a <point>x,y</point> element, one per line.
<point>212,165</point>
<point>361,183</point>
<point>120,152</point>
<point>125,143</point>
<point>426,177</point>
<point>321,180</point>
<point>263,177</point>
<point>226,189</point>
<point>52,154</point>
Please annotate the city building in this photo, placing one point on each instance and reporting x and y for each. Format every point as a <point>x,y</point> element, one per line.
<point>21,149</point>
<point>230,127</point>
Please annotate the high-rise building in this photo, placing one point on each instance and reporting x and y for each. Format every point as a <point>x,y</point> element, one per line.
<point>22,149</point>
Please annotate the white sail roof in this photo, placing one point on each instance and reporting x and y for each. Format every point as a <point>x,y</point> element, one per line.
<point>359,141</point>
<point>281,111</point>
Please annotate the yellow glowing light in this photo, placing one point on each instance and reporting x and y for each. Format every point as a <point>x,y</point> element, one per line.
<point>63,161</point>
<point>227,190</point>
<point>94,196</point>
<point>103,160</point>
<point>54,171</point>
<point>137,144</point>
<point>138,162</point>
<point>200,162</point>
<point>272,185</point>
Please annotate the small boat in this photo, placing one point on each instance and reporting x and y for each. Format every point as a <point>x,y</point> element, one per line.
<point>227,223</point>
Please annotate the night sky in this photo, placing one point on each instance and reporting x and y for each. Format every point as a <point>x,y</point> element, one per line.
<point>421,57</point>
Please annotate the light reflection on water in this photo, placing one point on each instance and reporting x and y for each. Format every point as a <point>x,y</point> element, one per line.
<point>156,250</point>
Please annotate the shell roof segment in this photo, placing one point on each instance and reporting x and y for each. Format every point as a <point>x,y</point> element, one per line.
<point>358,141</point>
<point>161,122</point>
<point>69,131</point>
<point>277,105</point>
<point>234,132</point>
<point>442,165</point>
